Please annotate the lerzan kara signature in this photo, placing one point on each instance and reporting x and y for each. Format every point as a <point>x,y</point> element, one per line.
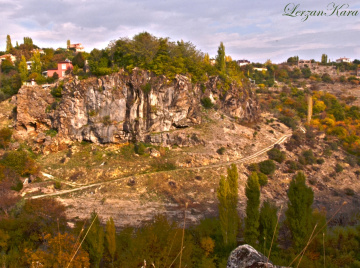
<point>332,9</point>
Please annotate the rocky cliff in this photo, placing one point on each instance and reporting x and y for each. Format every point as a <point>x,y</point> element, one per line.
<point>121,107</point>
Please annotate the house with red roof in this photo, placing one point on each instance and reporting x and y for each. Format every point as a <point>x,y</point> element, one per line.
<point>7,56</point>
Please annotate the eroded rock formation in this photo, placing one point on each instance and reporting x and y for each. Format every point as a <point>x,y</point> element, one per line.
<point>123,107</point>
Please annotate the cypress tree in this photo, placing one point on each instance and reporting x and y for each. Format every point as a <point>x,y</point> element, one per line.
<point>206,58</point>
<point>220,58</point>
<point>94,242</point>
<point>23,68</point>
<point>299,212</point>
<point>8,43</point>
<point>228,197</point>
<point>36,65</point>
<point>110,238</point>
<point>28,41</point>
<point>324,58</point>
<point>252,192</point>
<point>267,223</point>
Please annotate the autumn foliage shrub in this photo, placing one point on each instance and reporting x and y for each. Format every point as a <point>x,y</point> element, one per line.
<point>20,162</point>
<point>5,136</point>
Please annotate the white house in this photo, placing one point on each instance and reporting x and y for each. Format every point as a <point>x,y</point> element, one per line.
<point>343,60</point>
<point>260,69</point>
<point>77,47</point>
<point>29,64</point>
<point>242,62</point>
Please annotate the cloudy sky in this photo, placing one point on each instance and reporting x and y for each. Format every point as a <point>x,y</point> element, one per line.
<point>253,30</point>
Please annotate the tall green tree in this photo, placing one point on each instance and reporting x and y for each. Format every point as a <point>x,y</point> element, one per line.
<point>252,192</point>
<point>79,60</point>
<point>68,43</point>
<point>28,41</point>
<point>206,58</point>
<point>227,194</point>
<point>94,242</point>
<point>324,59</point>
<point>110,238</point>
<point>299,212</point>
<point>267,226</point>
<point>36,63</point>
<point>8,43</point>
<point>23,68</point>
<point>220,58</point>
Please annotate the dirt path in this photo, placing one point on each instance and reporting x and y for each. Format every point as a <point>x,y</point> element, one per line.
<point>239,161</point>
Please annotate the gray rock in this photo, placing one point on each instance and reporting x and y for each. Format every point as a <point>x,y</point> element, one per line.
<point>246,256</point>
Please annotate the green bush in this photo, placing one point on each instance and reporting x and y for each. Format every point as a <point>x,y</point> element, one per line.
<point>92,113</point>
<point>56,92</point>
<point>338,168</point>
<point>221,150</point>
<point>276,155</point>
<point>334,146</point>
<point>51,132</point>
<point>263,179</point>
<point>327,151</point>
<point>57,185</point>
<point>288,121</point>
<point>139,148</point>
<point>349,191</point>
<point>309,157</point>
<point>253,167</point>
<point>146,88</point>
<point>163,165</point>
<point>207,103</point>
<point>320,161</point>
<point>350,160</point>
<point>267,167</point>
<point>293,166</point>
<point>5,137</point>
<point>326,78</point>
<point>18,186</point>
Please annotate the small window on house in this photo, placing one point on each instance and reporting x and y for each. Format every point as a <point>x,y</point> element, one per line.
<point>63,73</point>
<point>63,66</point>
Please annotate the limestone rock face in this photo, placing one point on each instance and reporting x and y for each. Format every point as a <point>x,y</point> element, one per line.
<point>246,256</point>
<point>31,105</point>
<point>122,107</point>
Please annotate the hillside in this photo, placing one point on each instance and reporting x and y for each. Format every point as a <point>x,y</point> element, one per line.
<point>143,145</point>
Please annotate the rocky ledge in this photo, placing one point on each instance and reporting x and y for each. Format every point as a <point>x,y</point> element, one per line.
<point>128,107</point>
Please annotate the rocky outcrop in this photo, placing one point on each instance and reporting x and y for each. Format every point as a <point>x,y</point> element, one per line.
<point>246,256</point>
<point>123,107</point>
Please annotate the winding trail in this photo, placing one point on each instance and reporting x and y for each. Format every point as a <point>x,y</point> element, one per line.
<point>221,164</point>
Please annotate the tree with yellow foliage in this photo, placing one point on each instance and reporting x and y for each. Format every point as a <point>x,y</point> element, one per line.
<point>58,253</point>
